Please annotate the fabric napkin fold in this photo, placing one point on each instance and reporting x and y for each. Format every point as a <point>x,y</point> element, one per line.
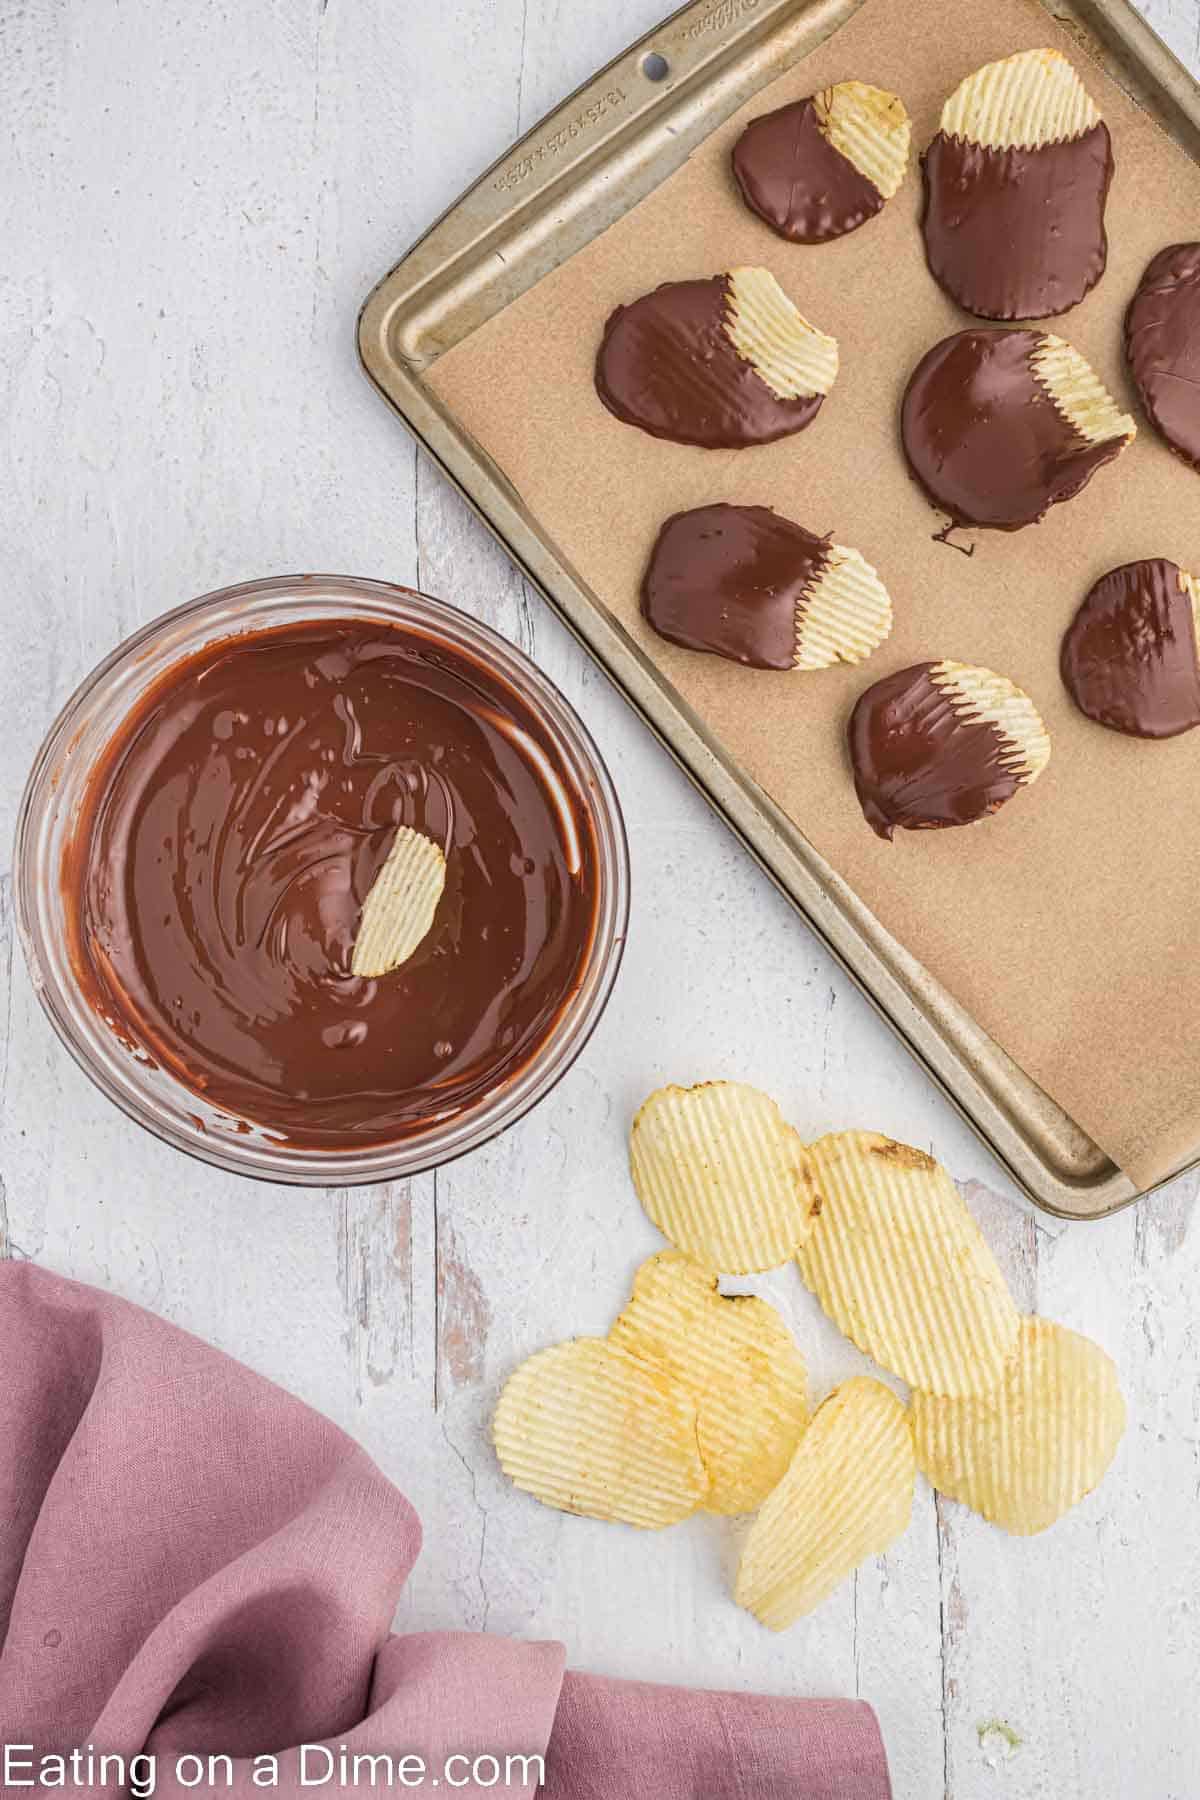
<point>194,1563</point>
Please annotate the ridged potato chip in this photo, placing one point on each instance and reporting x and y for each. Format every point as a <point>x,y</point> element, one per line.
<point>846,613</point>
<point>1024,1454</point>
<point>589,1429</point>
<point>1190,585</point>
<point>1078,392</point>
<point>767,330</point>
<point>982,695</point>
<point>722,1175</point>
<point>1016,182</point>
<point>400,906</point>
<point>1023,101</point>
<point>736,1358</point>
<point>870,128</point>
<point>847,1495</point>
<point>1130,657</point>
<point>901,1267</point>
<point>823,165</point>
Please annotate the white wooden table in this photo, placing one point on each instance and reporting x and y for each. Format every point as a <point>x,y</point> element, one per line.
<point>196,196</point>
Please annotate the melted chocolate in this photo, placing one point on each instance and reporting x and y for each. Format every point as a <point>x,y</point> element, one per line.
<point>918,766</point>
<point>230,835</point>
<point>1162,344</point>
<point>667,365</point>
<point>791,176</point>
<point>729,579</point>
<point>1017,234</point>
<point>983,437</point>
<point>1129,657</point>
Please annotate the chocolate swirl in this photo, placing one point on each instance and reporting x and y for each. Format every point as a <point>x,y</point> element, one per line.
<point>230,835</point>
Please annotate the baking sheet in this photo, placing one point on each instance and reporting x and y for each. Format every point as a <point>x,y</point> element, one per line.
<point>1066,924</point>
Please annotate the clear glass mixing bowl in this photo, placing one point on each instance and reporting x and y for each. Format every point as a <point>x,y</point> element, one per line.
<point>55,789</point>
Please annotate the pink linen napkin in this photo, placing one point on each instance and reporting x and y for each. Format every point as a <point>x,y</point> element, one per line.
<point>194,1564</point>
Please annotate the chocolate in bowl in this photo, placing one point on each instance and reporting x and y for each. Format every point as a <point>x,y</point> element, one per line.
<point>194,896</point>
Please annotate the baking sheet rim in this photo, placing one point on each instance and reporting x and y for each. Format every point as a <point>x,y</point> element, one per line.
<point>727,788</point>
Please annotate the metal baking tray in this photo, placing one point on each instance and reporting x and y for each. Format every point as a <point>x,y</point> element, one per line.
<point>574,174</point>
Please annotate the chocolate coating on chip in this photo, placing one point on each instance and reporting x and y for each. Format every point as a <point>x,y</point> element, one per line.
<point>918,765</point>
<point>1162,345</point>
<point>729,580</point>
<point>791,176</point>
<point>1129,657</point>
<point>667,365</point>
<point>1017,233</point>
<point>984,438</point>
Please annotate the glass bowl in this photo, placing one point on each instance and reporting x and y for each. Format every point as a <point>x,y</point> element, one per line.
<point>50,807</point>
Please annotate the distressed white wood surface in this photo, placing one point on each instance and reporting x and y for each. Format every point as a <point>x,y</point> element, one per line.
<point>194,200</point>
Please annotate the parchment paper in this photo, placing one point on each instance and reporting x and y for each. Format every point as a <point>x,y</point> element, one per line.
<point>1068,924</point>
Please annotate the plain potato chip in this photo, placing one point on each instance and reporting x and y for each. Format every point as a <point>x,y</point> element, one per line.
<point>722,1175</point>
<point>792,356</point>
<point>901,1267</point>
<point>400,906</point>
<point>587,1428</point>
<point>736,1358</point>
<point>847,1495</point>
<point>1028,1451</point>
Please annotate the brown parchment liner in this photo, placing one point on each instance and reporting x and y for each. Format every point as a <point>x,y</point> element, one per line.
<point>1068,924</point>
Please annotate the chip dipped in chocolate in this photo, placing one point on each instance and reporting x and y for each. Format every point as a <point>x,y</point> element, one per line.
<point>1162,347</point>
<point>942,743</point>
<point>1015,186</point>
<point>1129,656</point>
<point>722,363</point>
<point>998,426</point>
<point>818,168</point>
<point>744,583</point>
